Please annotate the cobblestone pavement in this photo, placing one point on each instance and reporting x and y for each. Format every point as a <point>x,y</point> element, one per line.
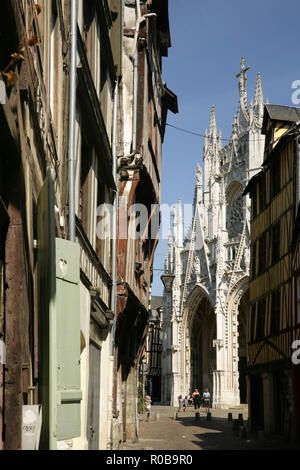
<point>163,432</point>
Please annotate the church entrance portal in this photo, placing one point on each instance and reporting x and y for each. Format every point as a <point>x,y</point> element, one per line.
<point>203,354</point>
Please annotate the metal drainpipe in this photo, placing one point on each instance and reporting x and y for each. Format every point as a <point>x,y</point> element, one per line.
<point>72,117</point>
<point>115,218</point>
<point>114,251</point>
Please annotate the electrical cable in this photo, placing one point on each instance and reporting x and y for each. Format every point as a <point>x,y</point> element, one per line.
<point>202,135</point>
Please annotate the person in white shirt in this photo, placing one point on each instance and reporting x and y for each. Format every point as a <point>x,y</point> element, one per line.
<point>206,398</point>
<point>148,405</point>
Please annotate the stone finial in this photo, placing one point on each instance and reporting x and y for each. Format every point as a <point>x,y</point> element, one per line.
<point>243,84</point>
<point>199,175</point>
<point>258,100</point>
<point>213,123</point>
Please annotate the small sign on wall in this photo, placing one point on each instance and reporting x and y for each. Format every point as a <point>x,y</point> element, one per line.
<point>31,426</point>
<point>2,352</point>
<point>2,92</point>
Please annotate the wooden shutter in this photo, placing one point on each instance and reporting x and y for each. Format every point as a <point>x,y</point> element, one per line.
<point>59,326</point>
<point>67,307</point>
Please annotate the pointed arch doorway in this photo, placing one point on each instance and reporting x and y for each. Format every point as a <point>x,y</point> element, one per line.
<point>202,332</point>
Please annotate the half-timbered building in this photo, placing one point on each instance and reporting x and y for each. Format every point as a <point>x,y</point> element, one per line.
<point>296,315</point>
<point>270,321</point>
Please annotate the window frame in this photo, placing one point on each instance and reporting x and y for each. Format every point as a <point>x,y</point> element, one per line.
<point>261,318</point>
<point>275,171</point>
<point>262,253</point>
<point>275,327</point>
<point>275,241</point>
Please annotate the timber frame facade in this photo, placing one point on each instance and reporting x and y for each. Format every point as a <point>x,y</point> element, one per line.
<point>33,137</point>
<point>296,317</point>
<point>270,325</point>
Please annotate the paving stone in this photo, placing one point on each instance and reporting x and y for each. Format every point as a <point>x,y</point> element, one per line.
<point>187,434</point>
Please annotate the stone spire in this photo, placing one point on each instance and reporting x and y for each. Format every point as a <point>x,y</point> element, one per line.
<point>213,124</point>
<point>243,86</point>
<point>259,99</point>
<point>258,91</point>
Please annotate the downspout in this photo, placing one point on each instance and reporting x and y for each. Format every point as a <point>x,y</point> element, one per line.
<point>72,117</point>
<point>114,258</point>
<point>115,218</point>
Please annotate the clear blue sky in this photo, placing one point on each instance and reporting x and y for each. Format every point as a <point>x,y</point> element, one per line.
<point>208,41</point>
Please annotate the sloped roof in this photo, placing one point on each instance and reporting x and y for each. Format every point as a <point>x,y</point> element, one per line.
<point>278,112</point>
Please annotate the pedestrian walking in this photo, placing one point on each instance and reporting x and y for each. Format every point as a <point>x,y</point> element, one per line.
<point>148,405</point>
<point>206,398</point>
<point>180,403</point>
<point>197,402</point>
<point>185,403</point>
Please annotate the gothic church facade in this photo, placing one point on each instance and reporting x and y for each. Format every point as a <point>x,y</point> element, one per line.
<point>206,278</point>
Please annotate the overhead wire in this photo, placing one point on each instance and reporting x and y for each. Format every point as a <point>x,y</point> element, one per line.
<point>202,135</point>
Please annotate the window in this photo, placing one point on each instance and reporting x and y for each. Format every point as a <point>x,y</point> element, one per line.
<point>252,324</point>
<point>262,255</point>
<point>275,312</point>
<point>261,314</point>
<point>275,240</point>
<point>275,176</point>
<point>104,225</point>
<point>86,163</point>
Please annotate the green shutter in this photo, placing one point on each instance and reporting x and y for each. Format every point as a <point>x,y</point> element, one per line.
<point>59,326</point>
<point>68,339</point>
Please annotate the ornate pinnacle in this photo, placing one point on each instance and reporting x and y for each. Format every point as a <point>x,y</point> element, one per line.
<point>258,100</point>
<point>243,84</point>
<point>212,123</point>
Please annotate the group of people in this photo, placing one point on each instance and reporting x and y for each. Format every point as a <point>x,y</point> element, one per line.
<point>195,399</point>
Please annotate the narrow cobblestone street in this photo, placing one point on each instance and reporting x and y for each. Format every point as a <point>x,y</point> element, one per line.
<point>163,432</point>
